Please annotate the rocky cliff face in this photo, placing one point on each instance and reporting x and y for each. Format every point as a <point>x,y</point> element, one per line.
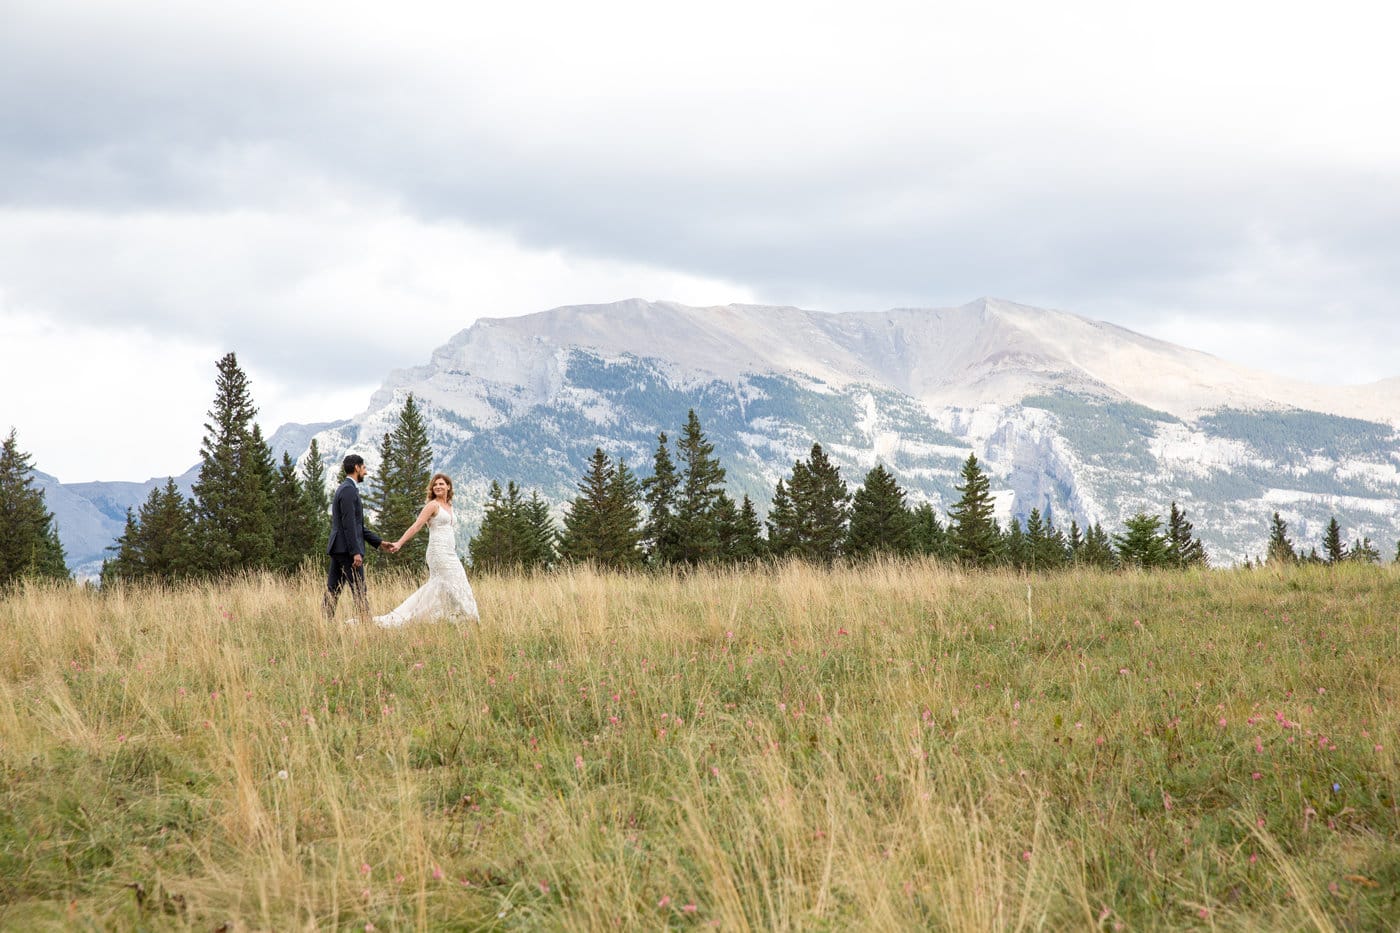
<point>1081,419</point>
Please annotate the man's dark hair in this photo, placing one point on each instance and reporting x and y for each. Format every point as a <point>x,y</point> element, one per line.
<point>351,461</point>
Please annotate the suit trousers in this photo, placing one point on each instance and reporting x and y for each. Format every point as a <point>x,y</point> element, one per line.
<point>344,572</point>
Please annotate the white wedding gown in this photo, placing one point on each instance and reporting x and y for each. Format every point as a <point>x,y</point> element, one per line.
<point>447,594</point>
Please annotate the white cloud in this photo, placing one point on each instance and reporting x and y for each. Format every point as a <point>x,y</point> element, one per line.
<point>117,320</point>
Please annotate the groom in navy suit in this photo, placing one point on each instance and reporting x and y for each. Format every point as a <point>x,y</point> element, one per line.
<point>347,543</point>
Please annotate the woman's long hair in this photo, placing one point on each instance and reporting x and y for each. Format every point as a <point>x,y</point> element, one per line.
<point>436,477</point>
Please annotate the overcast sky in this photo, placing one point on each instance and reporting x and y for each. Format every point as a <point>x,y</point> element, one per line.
<point>333,190</point>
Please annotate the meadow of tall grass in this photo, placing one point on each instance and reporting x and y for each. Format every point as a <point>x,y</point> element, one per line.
<point>896,746</point>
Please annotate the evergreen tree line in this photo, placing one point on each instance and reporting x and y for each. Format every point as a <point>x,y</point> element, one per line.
<point>246,512</point>
<point>681,515</point>
<point>29,545</point>
<point>1335,550</point>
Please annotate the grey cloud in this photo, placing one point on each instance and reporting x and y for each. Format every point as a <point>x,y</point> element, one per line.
<point>936,216</point>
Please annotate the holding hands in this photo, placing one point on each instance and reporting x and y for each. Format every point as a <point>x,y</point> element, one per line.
<point>389,547</point>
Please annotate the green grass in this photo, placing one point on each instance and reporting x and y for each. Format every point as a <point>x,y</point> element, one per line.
<point>897,746</point>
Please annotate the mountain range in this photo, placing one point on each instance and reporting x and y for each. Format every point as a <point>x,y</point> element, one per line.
<point>1085,420</point>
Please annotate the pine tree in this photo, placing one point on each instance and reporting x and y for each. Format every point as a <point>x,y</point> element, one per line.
<point>973,528</point>
<point>1280,550</point>
<point>231,506</point>
<point>1045,546</point>
<point>881,523</point>
<point>122,565</point>
<point>782,523</point>
<point>661,534</point>
<point>930,537</point>
<point>296,530</point>
<point>584,537</point>
<point>159,545</point>
<point>502,541</point>
<point>624,519</point>
<point>726,521</point>
<point>1364,552</point>
<point>318,497</point>
<point>603,524</point>
<point>1182,549</point>
<point>748,544</point>
<point>261,483</point>
<point>1332,544</point>
<point>701,485</point>
<point>1014,550</point>
<point>1076,542</point>
<point>1142,544</point>
<point>398,491</point>
<point>29,544</point>
<point>1097,550</point>
<point>821,504</point>
<point>541,536</point>
<point>1056,552</point>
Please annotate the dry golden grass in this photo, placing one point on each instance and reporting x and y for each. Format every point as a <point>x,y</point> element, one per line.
<point>898,746</point>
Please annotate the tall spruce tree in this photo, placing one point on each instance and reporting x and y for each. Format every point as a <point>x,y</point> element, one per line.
<point>972,527</point>
<point>122,564</point>
<point>748,544</point>
<point>29,544</point>
<point>821,504</point>
<point>930,535</point>
<point>541,535</point>
<point>1045,545</point>
<point>661,490</point>
<point>160,544</point>
<point>502,540</point>
<point>603,524</point>
<point>624,524</point>
<point>1142,544</point>
<point>1097,550</point>
<point>231,505</point>
<point>1075,543</point>
<point>296,529</point>
<point>264,477</point>
<point>1280,549</point>
<point>1183,550</point>
<point>399,489</point>
<point>318,497</point>
<point>701,485</point>
<point>781,523</point>
<point>1014,550</point>
<point>726,520</point>
<point>881,522</point>
<point>1332,544</point>
<point>584,538</point>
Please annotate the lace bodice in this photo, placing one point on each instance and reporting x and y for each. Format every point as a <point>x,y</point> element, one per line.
<point>442,531</point>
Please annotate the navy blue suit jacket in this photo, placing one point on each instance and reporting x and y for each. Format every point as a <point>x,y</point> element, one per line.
<point>348,532</point>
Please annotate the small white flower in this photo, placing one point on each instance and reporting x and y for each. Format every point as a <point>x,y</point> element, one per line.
<point>282,775</point>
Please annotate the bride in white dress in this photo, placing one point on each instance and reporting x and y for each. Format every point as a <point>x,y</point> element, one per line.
<point>447,594</point>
